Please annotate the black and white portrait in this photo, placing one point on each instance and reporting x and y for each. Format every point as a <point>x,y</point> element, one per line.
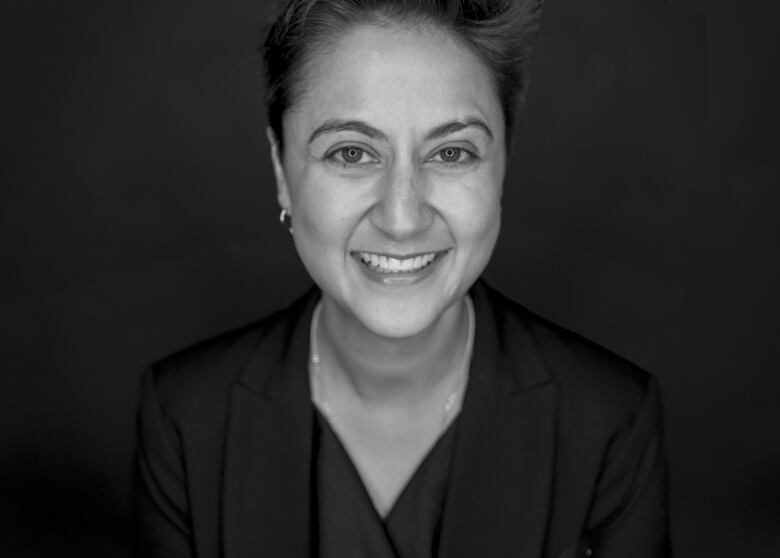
<point>390,279</point>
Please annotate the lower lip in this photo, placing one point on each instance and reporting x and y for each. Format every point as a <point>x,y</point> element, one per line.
<point>402,277</point>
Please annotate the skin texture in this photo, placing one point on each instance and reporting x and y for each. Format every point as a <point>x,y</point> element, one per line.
<point>391,350</point>
<point>401,198</point>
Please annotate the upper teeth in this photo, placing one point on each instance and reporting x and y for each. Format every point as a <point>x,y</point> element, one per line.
<point>387,264</point>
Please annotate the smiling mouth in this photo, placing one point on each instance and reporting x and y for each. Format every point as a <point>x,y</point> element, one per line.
<point>380,263</point>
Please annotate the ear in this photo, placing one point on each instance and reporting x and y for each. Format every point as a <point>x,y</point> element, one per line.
<point>282,190</point>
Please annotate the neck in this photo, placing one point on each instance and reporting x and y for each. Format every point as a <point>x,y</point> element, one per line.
<point>384,371</point>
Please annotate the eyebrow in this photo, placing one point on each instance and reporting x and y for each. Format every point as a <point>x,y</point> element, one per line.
<point>456,126</point>
<point>339,125</point>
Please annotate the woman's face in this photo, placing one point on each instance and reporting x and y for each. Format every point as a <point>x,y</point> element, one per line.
<point>392,171</point>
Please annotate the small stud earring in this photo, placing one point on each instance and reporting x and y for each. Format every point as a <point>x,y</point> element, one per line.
<point>286,220</point>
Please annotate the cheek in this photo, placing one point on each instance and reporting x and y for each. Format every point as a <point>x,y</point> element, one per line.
<point>325,211</point>
<point>472,207</point>
<point>486,195</point>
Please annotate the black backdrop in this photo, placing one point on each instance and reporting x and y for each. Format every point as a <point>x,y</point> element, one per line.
<point>139,215</point>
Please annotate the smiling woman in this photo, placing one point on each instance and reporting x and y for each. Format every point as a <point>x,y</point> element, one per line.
<point>391,155</point>
<point>402,408</point>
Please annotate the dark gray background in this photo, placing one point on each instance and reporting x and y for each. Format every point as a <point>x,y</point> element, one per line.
<point>139,215</point>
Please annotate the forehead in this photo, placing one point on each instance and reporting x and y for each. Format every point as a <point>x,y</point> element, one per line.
<point>396,78</point>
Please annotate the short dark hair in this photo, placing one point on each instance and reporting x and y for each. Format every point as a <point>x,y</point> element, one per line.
<point>501,32</point>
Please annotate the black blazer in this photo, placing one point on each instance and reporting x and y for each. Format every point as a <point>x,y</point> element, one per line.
<point>559,449</point>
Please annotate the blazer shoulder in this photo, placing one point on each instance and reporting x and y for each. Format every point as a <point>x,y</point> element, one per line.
<point>590,376</point>
<point>190,381</point>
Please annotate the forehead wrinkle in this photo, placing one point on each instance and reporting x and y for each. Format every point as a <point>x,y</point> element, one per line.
<point>331,85</point>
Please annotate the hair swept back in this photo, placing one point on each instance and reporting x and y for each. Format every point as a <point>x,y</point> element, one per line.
<point>501,32</point>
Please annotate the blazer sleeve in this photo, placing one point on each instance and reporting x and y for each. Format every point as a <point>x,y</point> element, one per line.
<point>160,508</point>
<point>629,515</point>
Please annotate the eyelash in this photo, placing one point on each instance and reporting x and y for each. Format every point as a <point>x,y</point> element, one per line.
<point>470,157</point>
<point>333,156</point>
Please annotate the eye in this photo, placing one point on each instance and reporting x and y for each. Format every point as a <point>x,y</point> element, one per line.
<point>450,154</point>
<point>351,155</point>
<point>453,156</point>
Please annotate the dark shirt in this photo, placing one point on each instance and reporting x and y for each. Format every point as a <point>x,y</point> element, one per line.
<point>349,526</point>
<point>559,449</point>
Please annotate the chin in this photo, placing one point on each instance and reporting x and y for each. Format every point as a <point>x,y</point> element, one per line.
<point>400,318</point>
<point>397,327</point>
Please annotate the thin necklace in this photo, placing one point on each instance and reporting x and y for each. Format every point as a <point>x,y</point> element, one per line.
<point>317,379</point>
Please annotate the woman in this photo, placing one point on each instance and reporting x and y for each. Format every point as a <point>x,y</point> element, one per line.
<point>402,408</point>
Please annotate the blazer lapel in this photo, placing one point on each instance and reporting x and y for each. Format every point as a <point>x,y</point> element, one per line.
<point>502,471</point>
<point>267,469</point>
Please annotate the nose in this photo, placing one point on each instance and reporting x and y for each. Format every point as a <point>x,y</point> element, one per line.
<point>402,211</point>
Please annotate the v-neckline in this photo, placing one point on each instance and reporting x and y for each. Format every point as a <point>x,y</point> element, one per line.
<point>354,472</point>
